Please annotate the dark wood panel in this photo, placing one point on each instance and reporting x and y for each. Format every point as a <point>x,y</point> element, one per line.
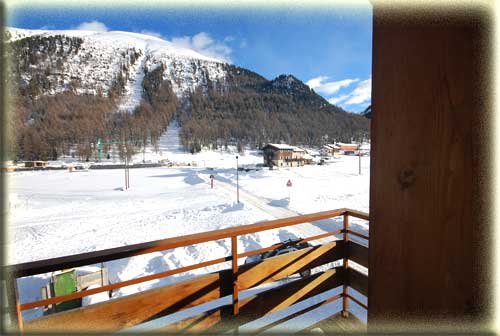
<point>357,253</point>
<point>423,199</point>
<point>358,281</point>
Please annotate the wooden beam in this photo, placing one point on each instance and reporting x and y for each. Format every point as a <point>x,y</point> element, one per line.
<point>358,302</point>
<point>358,214</point>
<point>345,290</point>
<point>354,233</point>
<point>234,263</point>
<point>430,181</point>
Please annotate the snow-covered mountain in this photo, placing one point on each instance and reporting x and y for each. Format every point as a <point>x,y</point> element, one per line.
<point>88,62</point>
<point>69,84</point>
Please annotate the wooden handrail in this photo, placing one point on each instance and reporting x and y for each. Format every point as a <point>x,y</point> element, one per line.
<point>358,214</point>
<point>43,266</point>
<point>358,302</point>
<point>89,258</point>
<point>358,234</point>
<point>125,283</point>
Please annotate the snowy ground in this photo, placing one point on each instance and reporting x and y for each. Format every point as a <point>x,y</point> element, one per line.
<point>57,213</point>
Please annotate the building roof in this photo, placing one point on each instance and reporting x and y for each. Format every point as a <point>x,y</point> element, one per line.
<point>312,151</point>
<point>281,146</point>
<point>297,149</point>
<point>346,144</point>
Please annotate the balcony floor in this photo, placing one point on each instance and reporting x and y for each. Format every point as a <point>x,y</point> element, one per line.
<point>339,324</point>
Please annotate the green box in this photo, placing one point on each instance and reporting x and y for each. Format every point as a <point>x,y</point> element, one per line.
<point>64,284</point>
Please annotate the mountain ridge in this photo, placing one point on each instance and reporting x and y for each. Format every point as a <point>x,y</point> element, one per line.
<point>138,83</point>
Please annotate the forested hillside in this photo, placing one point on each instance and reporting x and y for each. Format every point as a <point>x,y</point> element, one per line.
<point>250,110</point>
<point>64,93</point>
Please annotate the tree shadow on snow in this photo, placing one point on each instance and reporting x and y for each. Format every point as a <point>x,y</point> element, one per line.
<point>190,176</point>
<point>281,203</point>
<point>233,207</point>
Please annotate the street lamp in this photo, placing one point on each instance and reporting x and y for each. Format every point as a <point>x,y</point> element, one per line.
<point>237,183</point>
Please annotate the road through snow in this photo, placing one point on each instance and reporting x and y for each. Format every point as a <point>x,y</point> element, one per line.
<point>303,230</point>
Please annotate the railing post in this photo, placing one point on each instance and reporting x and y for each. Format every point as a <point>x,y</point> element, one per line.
<point>234,252</point>
<point>345,293</point>
<point>14,305</point>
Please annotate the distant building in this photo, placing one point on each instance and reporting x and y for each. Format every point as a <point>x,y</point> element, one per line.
<point>281,155</point>
<point>329,150</point>
<point>30,164</point>
<point>348,149</point>
<point>308,159</point>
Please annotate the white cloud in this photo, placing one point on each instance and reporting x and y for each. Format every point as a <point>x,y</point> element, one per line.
<point>315,82</point>
<point>206,45</point>
<point>320,85</point>
<point>339,99</point>
<point>362,93</point>
<point>93,26</point>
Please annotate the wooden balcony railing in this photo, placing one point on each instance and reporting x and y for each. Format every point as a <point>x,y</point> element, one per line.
<point>128,311</point>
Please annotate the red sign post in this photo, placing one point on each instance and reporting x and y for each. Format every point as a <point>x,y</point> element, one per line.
<point>211,181</point>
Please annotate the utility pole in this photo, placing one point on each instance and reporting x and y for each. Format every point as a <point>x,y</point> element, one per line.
<point>359,154</point>
<point>126,172</point>
<point>237,182</point>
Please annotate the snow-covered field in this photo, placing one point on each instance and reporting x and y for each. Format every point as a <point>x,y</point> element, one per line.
<point>57,213</point>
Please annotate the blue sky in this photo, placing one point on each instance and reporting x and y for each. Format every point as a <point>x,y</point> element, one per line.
<point>327,47</point>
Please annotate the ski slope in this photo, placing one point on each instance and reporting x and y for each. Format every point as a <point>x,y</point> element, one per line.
<point>133,88</point>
